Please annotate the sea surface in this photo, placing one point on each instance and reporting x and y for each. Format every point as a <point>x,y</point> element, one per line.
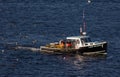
<point>33,23</point>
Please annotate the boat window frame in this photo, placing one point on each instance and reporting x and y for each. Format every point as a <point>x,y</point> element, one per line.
<point>85,40</point>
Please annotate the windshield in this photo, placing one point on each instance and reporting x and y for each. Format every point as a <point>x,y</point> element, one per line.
<point>86,39</point>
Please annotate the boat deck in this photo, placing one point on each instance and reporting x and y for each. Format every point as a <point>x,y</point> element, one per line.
<point>57,50</point>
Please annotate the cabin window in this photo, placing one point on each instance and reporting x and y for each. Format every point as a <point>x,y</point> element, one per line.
<point>85,39</point>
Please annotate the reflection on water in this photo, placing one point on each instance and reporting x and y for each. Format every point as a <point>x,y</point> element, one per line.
<point>80,62</point>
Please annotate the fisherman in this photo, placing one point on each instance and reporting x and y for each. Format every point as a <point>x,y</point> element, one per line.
<point>68,44</point>
<point>62,44</point>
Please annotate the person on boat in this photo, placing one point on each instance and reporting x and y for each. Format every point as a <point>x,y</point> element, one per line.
<point>62,44</point>
<point>68,44</point>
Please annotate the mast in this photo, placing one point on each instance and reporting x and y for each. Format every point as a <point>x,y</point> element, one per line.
<point>84,23</point>
<point>83,32</point>
<point>83,28</point>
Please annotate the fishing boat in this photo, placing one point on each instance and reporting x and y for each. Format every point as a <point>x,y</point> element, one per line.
<point>76,44</point>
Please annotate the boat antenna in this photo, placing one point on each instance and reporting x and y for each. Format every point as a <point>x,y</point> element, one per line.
<point>83,32</point>
<point>84,23</point>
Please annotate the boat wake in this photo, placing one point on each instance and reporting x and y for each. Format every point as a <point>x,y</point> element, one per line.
<point>27,48</point>
<point>15,46</point>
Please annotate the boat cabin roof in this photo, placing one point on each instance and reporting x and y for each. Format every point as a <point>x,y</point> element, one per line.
<point>77,37</point>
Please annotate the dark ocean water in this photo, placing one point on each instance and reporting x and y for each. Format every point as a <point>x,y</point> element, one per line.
<point>44,21</point>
